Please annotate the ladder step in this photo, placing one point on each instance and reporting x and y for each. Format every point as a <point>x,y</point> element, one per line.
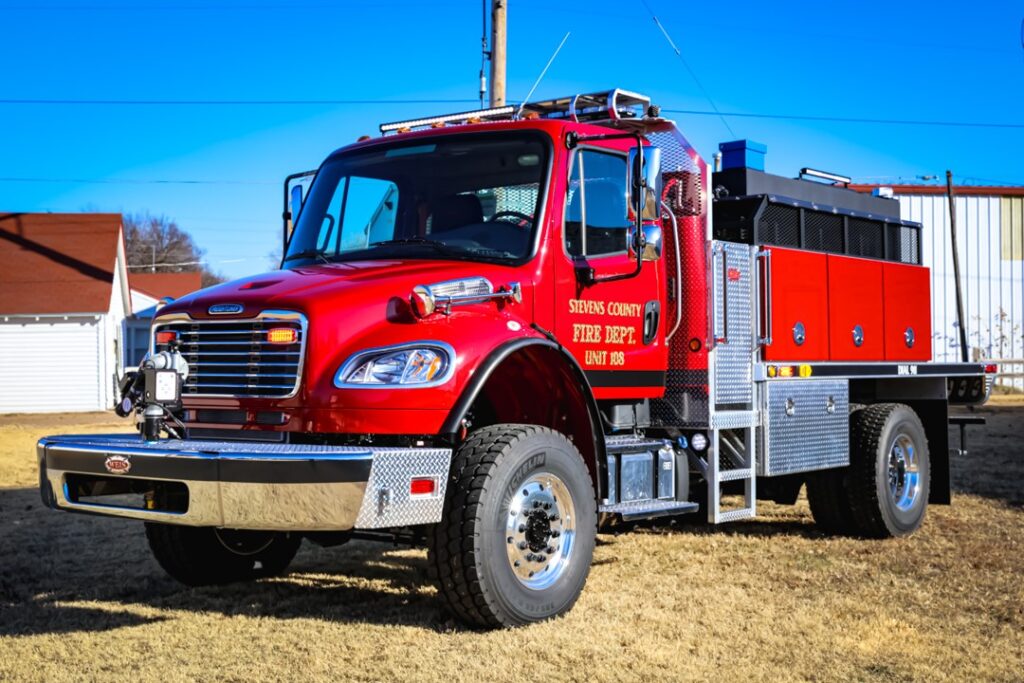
<point>647,509</point>
<point>735,419</point>
<point>733,475</point>
<point>732,515</point>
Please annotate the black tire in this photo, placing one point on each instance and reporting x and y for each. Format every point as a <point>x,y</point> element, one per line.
<point>200,556</point>
<point>830,506</point>
<point>470,550</point>
<point>879,434</point>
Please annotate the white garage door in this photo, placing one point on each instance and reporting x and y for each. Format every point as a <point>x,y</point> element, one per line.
<point>50,365</point>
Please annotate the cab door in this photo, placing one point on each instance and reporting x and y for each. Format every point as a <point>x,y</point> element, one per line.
<point>615,330</point>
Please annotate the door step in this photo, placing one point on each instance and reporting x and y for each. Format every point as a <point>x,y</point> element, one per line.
<point>648,509</point>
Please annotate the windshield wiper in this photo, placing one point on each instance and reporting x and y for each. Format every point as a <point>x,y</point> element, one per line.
<point>308,253</point>
<point>434,244</point>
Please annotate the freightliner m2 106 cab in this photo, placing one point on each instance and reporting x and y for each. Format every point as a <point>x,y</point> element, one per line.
<point>494,333</point>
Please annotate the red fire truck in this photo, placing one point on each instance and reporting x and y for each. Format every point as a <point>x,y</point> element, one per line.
<point>495,332</point>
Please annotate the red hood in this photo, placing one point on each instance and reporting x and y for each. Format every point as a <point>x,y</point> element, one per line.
<point>338,284</point>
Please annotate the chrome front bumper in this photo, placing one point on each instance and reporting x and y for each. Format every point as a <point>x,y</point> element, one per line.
<point>238,485</point>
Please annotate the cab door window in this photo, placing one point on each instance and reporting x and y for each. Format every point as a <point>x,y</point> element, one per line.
<point>596,220</point>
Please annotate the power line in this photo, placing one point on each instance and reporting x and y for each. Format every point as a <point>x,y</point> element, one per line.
<point>686,64</point>
<point>138,181</point>
<point>849,119</point>
<point>218,103</point>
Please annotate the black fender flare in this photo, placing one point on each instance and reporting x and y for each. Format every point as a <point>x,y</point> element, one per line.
<point>452,423</point>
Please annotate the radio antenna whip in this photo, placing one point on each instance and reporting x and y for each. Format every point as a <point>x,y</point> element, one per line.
<point>541,77</point>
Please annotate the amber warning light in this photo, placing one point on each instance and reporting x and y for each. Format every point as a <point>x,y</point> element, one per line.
<point>282,335</point>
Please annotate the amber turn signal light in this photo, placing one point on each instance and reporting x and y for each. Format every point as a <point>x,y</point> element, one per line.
<point>282,335</point>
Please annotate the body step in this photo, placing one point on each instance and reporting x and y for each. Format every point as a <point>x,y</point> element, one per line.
<point>733,515</point>
<point>632,444</point>
<point>735,419</point>
<point>647,509</point>
<point>733,475</point>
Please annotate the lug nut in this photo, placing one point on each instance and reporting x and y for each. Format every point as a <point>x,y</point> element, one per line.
<point>522,545</point>
<point>525,492</point>
<point>555,533</point>
<point>547,506</point>
<point>553,517</point>
<point>550,550</point>
<point>509,539</point>
<point>531,575</point>
<point>522,528</point>
<point>516,563</point>
<point>536,503</point>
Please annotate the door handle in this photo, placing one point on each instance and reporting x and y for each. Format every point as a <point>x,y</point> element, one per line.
<point>652,315</point>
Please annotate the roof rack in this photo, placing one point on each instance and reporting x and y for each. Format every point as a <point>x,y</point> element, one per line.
<point>610,107</point>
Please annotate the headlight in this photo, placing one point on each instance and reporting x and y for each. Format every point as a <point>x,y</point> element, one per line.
<point>418,364</point>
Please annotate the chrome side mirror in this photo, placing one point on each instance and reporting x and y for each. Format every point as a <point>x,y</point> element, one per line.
<point>644,184</point>
<point>651,245</point>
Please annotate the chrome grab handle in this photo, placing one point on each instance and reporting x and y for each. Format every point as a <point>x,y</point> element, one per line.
<point>766,340</point>
<point>724,339</point>
<point>679,272</point>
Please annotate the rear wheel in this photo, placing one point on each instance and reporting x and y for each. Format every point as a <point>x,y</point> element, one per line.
<point>515,543</point>
<point>890,471</point>
<point>198,556</point>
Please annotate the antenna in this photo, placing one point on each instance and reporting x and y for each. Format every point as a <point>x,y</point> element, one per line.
<point>541,77</point>
<point>485,54</point>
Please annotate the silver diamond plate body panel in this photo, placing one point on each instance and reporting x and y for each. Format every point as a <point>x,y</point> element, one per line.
<point>800,432</point>
<point>733,311</point>
<point>387,501</point>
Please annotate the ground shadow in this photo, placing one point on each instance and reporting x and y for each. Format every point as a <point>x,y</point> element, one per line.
<point>50,558</point>
<point>994,465</point>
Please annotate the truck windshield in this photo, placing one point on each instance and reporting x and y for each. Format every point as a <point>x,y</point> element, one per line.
<point>474,197</point>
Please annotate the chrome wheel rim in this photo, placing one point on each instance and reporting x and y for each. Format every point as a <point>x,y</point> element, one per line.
<point>904,474</point>
<point>540,531</point>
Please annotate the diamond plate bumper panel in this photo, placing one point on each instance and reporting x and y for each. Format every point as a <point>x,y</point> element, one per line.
<point>388,503</point>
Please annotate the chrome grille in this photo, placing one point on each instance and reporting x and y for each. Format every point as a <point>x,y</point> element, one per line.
<point>234,357</point>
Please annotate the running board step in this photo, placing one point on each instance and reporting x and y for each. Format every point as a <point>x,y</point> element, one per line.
<point>648,509</point>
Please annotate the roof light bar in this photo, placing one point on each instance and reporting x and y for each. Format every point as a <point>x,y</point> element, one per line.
<point>824,175</point>
<point>492,113</point>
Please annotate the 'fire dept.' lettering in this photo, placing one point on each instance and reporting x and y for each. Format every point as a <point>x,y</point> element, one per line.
<point>605,335</point>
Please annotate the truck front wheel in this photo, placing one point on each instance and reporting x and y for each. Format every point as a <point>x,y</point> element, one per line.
<point>199,556</point>
<point>515,543</point>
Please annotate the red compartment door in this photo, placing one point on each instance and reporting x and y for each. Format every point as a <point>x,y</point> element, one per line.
<point>799,306</point>
<point>908,306</point>
<point>855,309</point>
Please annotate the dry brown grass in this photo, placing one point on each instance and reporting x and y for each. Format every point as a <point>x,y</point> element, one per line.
<point>772,599</point>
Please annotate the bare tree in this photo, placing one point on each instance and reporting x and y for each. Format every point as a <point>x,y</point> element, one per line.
<point>156,244</point>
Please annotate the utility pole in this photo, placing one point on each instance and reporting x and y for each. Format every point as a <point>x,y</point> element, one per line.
<point>498,31</point>
<point>956,267</point>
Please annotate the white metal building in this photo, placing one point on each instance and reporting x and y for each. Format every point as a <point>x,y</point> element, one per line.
<point>63,299</point>
<point>990,239</point>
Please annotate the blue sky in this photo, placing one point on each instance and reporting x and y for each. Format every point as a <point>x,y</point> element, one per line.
<point>934,61</point>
